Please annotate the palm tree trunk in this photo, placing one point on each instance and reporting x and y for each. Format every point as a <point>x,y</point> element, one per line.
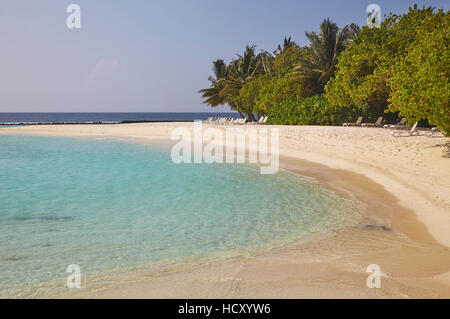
<point>251,117</point>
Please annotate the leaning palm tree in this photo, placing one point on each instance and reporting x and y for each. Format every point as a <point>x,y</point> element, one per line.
<point>229,80</point>
<point>319,65</point>
<point>212,94</point>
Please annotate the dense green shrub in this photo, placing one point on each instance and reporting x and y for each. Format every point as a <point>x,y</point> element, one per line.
<point>314,110</point>
<point>401,67</point>
<point>421,81</point>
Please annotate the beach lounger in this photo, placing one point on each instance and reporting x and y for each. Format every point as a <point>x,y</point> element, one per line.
<point>258,122</point>
<point>262,120</point>
<point>400,125</point>
<point>376,124</point>
<point>229,121</point>
<point>435,133</point>
<point>226,120</point>
<point>357,123</point>
<point>221,120</point>
<point>412,132</point>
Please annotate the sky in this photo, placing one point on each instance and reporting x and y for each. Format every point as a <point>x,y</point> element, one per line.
<point>144,55</point>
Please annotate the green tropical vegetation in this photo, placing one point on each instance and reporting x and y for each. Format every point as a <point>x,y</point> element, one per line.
<point>313,110</point>
<point>400,69</point>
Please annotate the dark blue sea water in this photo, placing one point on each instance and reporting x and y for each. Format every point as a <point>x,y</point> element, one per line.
<point>45,118</point>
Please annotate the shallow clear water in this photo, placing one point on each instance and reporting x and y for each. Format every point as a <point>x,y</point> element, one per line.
<point>107,205</point>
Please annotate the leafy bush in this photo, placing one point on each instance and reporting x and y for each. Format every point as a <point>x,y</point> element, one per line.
<point>261,94</point>
<point>420,82</point>
<point>401,67</point>
<point>314,110</point>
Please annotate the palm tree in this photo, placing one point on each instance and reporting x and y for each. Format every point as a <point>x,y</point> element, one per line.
<point>324,50</point>
<point>212,94</point>
<point>266,60</point>
<point>287,43</point>
<point>229,80</point>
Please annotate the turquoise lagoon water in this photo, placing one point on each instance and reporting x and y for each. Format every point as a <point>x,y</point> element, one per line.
<point>106,205</point>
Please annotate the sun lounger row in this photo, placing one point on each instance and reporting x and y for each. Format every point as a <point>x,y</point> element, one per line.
<point>434,132</point>
<point>399,126</point>
<point>226,120</point>
<point>360,123</point>
<point>262,120</point>
<point>412,132</point>
<point>378,123</point>
<point>219,120</point>
<point>231,121</point>
<point>357,123</point>
<point>238,121</point>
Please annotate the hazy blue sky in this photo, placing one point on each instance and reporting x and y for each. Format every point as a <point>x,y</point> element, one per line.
<point>143,55</point>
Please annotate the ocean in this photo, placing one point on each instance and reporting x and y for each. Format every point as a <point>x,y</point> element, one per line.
<point>66,118</point>
<point>109,207</point>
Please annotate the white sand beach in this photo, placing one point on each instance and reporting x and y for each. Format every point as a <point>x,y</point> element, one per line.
<point>405,183</point>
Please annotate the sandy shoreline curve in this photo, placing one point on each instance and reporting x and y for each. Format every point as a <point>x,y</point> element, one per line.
<point>404,182</point>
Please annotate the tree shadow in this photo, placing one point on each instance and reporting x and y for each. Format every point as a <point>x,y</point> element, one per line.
<point>446,149</point>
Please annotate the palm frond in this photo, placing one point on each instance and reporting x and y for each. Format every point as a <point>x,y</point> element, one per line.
<point>325,48</point>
